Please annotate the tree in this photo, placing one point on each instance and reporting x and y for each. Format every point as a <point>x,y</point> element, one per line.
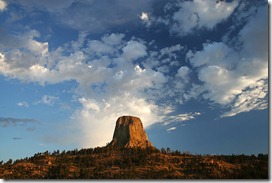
<point>177,153</point>
<point>163,151</point>
<point>9,162</point>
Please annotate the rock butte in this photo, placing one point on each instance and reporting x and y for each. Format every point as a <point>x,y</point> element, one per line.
<point>129,132</point>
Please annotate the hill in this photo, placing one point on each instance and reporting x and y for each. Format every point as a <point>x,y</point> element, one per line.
<point>134,163</point>
<point>130,155</point>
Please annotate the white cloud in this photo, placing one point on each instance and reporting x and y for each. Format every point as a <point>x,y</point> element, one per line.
<point>113,39</point>
<point>138,69</point>
<point>98,48</point>
<point>79,43</point>
<point>171,129</point>
<point>183,73</point>
<point>3,5</point>
<point>171,51</point>
<point>38,47</point>
<point>22,104</point>
<point>89,104</point>
<point>22,52</point>
<point>181,117</point>
<point>48,100</point>
<point>254,98</point>
<point>194,92</point>
<point>254,38</point>
<point>231,76</point>
<point>108,81</point>
<point>221,83</point>
<point>181,80</point>
<point>216,53</point>
<point>27,40</point>
<point>83,67</point>
<point>199,14</point>
<point>144,16</point>
<point>96,120</point>
<point>134,50</point>
<point>102,89</point>
<point>38,69</point>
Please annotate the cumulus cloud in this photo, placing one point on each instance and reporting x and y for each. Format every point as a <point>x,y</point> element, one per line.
<point>21,55</point>
<point>254,98</point>
<point>190,16</point>
<point>171,51</point>
<point>199,14</point>
<point>183,73</point>
<point>216,53</point>
<point>231,76</point>
<point>117,75</point>
<point>5,122</point>
<point>109,82</point>
<point>134,50</point>
<point>3,5</point>
<point>89,104</point>
<point>167,61</point>
<point>144,16</point>
<point>96,128</point>
<point>25,40</point>
<point>256,31</point>
<point>219,82</point>
<point>98,48</point>
<point>113,39</point>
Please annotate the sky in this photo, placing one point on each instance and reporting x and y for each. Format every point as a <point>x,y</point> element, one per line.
<point>195,72</point>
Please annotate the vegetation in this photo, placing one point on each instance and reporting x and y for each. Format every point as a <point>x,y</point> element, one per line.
<point>134,163</point>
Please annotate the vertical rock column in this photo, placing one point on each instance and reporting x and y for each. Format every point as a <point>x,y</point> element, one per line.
<point>129,132</point>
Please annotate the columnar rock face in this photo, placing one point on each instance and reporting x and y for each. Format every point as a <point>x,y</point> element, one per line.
<point>129,132</point>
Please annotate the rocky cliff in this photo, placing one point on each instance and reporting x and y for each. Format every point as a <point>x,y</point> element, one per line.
<point>129,132</point>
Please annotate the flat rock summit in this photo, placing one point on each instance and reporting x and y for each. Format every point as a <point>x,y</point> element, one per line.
<point>129,132</point>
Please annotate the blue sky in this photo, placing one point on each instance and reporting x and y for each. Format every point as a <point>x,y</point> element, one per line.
<point>195,72</point>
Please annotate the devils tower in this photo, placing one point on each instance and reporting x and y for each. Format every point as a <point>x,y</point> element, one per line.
<point>129,132</point>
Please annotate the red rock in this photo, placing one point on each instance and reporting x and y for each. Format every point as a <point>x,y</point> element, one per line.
<point>129,132</point>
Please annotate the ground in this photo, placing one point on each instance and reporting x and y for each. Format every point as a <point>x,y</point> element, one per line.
<point>135,163</point>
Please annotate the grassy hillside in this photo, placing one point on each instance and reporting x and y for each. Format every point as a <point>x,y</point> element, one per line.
<point>136,163</point>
